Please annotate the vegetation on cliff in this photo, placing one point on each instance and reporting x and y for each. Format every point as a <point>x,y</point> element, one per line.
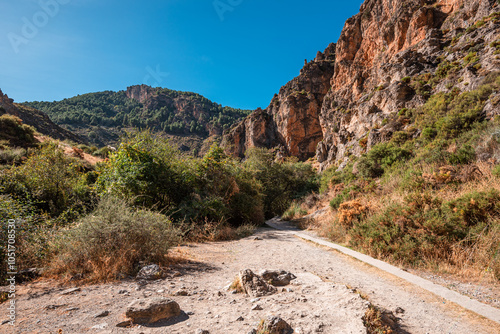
<point>101,117</point>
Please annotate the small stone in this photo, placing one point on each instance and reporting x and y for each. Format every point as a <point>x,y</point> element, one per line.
<point>151,272</point>
<point>202,331</point>
<point>69,291</point>
<point>220,294</point>
<point>176,274</point>
<point>122,292</point>
<point>102,314</point>
<point>127,323</point>
<point>69,309</point>
<point>190,313</point>
<point>100,326</point>
<point>254,300</point>
<point>181,293</point>
<point>256,307</point>
<point>399,310</point>
<point>257,238</point>
<point>5,321</point>
<point>240,318</point>
<point>160,291</point>
<point>53,307</point>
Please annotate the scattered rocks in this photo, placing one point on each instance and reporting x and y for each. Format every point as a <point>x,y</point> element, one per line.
<point>70,291</point>
<point>202,331</point>
<point>254,285</point>
<point>274,325</point>
<point>277,277</point>
<point>151,272</point>
<point>152,310</point>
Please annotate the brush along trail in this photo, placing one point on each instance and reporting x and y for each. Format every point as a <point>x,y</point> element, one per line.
<point>332,293</point>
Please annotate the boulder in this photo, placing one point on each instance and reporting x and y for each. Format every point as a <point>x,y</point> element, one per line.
<point>277,277</point>
<point>146,311</point>
<point>254,285</point>
<point>274,325</point>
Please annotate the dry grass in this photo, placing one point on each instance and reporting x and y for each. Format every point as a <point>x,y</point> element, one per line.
<point>475,258</point>
<point>236,285</point>
<point>378,322</point>
<point>217,231</point>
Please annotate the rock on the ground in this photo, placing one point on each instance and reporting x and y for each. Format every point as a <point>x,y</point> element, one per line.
<point>70,291</point>
<point>254,285</point>
<point>151,310</point>
<point>275,325</point>
<point>151,272</point>
<point>202,331</point>
<point>277,277</point>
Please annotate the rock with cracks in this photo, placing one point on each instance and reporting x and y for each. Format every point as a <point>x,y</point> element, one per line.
<point>274,325</point>
<point>146,311</point>
<point>277,277</point>
<point>151,272</point>
<point>254,285</point>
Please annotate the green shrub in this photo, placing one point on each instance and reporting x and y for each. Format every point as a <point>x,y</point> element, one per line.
<point>379,158</point>
<point>147,170</point>
<point>51,180</point>
<point>496,171</point>
<point>294,211</point>
<point>114,239</point>
<point>464,155</point>
<point>423,227</point>
<point>15,132</point>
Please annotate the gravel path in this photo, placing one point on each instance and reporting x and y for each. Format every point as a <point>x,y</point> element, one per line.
<point>326,297</point>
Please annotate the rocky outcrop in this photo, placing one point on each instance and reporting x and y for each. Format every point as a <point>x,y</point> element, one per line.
<point>292,118</point>
<point>254,285</point>
<point>385,43</point>
<point>37,119</point>
<point>341,102</point>
<point>257,130</point>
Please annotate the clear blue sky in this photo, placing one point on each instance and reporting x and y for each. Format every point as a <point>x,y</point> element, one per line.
<point>238,55</point>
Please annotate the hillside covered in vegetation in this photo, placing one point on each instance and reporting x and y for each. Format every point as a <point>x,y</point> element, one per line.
<point>102,117</point>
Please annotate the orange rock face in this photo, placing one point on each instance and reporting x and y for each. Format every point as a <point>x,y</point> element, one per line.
<point>342,97</point>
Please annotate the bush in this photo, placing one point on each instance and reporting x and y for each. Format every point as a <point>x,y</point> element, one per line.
<point>53,182</point>
<point>381,157</point>
<point>15,132</point>
<point>423,227</point>
<point>147,170</point>
<point>34,233</point>
<point>114,239</point>
<point>294,211</point>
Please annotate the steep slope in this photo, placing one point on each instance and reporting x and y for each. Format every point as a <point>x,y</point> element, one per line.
<point>393,55</point>
<point>37,119</point>
<point>101,117</point>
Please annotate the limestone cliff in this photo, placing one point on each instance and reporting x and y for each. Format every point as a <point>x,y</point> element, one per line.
<point>392,55</point>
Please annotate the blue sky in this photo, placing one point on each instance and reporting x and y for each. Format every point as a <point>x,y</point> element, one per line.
<point>234,52</point>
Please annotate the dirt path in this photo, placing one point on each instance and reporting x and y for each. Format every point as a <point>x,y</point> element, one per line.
<point>320,300</point>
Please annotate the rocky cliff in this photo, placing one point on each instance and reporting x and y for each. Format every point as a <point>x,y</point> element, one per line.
<point>392,55</point>
<point>37,119</point>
